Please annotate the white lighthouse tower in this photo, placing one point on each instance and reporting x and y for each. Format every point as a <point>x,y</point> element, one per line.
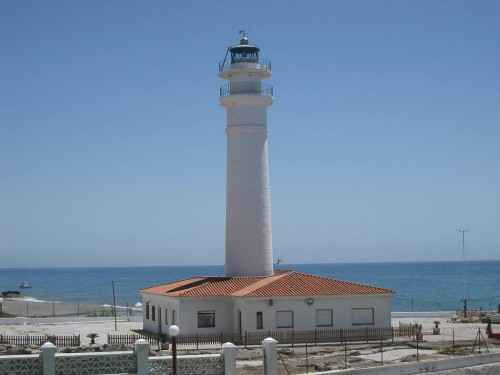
<point>249,249</point>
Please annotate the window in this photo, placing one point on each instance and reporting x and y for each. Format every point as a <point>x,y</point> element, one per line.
<point>284,319</point>
<point>324,318</point>
<point>147,311</point>
<point>173,316</point>
<point>153,313</point>
<point>260,320</point>
<point>166,316</point>
<point>206,319</point>
<point>362,316</point>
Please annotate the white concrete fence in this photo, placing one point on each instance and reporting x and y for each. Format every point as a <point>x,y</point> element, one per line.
<point>138,362</point>
<point>135,362</point>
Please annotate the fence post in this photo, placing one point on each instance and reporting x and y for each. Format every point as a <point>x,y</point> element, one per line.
<point>141,351</point>
<point>229,357</point>
<point>49,358</point>
<point>270,351</point>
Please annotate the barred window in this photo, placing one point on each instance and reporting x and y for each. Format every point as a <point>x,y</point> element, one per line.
<point>260,320</point>
<point>206,319</point>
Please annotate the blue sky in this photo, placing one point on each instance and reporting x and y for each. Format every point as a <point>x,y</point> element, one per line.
<point>384,135</point>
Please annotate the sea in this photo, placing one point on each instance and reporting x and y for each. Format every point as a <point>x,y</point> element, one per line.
<point>419,286</point>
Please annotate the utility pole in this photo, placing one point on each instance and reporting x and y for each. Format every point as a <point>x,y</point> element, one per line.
<point>114,304</point>
<point>463,252</point>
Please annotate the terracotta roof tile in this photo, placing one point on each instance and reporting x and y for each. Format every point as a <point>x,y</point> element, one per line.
<point>285,284</point>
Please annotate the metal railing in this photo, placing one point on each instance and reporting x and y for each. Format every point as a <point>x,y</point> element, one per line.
<point>236,88</point>
<point>245,64</point>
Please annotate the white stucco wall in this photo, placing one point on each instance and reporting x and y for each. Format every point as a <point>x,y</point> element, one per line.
<point>304,315</point>
<point>223,308</point>
<point>227,311</point>
<point>248,206</point>
<point>168,305</point>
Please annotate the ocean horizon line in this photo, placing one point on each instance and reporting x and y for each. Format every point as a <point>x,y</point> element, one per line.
<point>282,265</point>
<point>420,286</point>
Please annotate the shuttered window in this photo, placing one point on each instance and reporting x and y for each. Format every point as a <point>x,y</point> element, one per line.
<point>324,318</point>
<point>284,319</point>
<point>362,316</point>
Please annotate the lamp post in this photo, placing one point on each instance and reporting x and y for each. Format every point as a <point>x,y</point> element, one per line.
<point>1,307</point>
<point>173,331</point>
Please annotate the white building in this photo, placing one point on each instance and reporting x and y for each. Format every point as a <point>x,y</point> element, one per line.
<point>250,297</point>
<point>285,301</point>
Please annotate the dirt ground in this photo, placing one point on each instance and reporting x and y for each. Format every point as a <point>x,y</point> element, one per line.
<point>302,359</point>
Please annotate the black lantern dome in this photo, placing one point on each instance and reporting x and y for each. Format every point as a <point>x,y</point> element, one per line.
<point>244,52</point>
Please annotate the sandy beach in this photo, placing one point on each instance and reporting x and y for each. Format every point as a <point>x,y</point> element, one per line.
<point>102,328</point>
<point>61,320</point>
<point>37,309</point>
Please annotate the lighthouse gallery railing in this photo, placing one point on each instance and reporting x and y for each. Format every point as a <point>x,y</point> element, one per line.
<point>246,88</point>
<point>243,63</point>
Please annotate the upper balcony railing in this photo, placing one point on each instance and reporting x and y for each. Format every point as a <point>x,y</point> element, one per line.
<point>245,64</point>
<point>236,88</point>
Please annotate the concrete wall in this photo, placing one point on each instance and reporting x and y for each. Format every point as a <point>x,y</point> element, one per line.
<point>420,314</point>
<point>64,319</point>
<point>478,364</point>
<point>50,362</point>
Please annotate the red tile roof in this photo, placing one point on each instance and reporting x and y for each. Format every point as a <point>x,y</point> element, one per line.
<point>284,284</point>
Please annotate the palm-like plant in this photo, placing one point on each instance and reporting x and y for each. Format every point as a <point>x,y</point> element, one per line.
<point>92,337</point>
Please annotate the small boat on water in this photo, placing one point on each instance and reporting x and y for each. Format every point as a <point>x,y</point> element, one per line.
<point>24,285</point>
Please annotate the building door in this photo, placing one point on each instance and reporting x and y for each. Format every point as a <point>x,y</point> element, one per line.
<point>159,320</point>
<point>239,322</point>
